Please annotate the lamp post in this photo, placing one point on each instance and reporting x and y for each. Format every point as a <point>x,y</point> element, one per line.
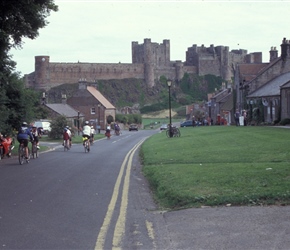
<point>169,100</point>
<point>99,117</point>
<point>78,122</point>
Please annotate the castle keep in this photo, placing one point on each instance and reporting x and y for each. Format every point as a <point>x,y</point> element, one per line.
<point>149,62</point>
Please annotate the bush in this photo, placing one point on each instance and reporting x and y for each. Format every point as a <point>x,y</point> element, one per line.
<point>57,127</point>
<point>285,121</point>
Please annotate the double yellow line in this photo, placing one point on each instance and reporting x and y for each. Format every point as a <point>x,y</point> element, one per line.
<point>120,224</point>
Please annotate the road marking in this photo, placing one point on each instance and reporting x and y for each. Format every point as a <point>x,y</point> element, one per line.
<point>120,226</point>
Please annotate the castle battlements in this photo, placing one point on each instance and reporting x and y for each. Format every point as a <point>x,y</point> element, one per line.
<point>150,61</point>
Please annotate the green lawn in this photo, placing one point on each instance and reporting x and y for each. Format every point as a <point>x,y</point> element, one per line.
<point>219,165</point>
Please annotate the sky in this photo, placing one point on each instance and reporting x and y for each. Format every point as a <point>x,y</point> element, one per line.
<point>98,31</point>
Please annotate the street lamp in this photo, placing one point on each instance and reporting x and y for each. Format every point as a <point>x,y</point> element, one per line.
<point>99,117</point>
<point>169,100</point>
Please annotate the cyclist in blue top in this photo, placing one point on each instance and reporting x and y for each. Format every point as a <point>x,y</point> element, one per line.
<point>23,136</point>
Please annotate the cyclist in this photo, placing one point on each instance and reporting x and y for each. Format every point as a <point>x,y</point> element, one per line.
<point>23,135</point>
<point>68,130</point>
<point>35,135</point>
<point>66,136</point>
<point>117,128</point>
<point>87,133</point>
<point>92,133</point>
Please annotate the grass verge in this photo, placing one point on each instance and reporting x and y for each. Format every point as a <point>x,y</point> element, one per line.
<point>219,165</point>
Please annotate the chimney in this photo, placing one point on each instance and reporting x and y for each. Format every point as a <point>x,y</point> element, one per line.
<point>63,98</point>
<point>273,54</point>
<point>285,49</point>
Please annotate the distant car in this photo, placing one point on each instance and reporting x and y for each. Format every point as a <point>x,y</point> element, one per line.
<point>133,127</point>
<point>163,127</point>
<point>187,123</point>
<point>43,126</point>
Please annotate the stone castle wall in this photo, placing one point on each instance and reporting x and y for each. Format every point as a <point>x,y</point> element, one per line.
<point>149,62</point>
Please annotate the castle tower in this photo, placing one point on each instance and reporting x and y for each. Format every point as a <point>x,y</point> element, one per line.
<point>226,70</point>
<point>179,70</point>
<point>148,63</point>
<point>41,71</point>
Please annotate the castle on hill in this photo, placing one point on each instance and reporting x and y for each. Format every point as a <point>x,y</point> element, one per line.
<point>149,62</point>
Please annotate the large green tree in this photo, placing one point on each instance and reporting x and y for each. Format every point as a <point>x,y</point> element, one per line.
<point>18,19</point>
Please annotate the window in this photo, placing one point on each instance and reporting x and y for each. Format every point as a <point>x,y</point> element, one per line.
<point>93,111</point>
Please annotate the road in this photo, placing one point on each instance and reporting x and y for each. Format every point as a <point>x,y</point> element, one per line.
<point>78,200</point>
<point>100,200</point>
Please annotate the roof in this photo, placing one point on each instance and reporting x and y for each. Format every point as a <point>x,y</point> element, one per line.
<point>63,109</point>
<point>271,88</point>
<point>97,94</point>
<point>250,70</point>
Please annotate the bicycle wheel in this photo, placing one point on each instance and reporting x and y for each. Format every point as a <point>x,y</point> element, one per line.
<point>33,150</point>
<point>21,154</point>
<point>177,133</point>
<point>36,151</point>
<point>167,133</point>
<point>65,146</point>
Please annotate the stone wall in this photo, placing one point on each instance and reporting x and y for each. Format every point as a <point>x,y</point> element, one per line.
<point>149,62</point>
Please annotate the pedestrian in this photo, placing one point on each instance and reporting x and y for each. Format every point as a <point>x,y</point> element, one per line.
<point>237,117</point>
<point>245,117</point>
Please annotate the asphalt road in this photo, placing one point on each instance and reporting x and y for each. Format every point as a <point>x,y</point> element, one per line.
<point>100,200</point>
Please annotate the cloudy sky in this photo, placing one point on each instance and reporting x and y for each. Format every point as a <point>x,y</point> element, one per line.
<point>102,31</point>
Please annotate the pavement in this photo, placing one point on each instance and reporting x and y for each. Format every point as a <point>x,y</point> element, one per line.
<point>232,228</point>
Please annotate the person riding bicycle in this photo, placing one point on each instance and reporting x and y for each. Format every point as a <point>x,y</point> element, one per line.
<point>35,135</point>
<point>66,136</point>
<point>23,136</point>
<point>117,128</point>
<point>68,130</point>
<point>92,133</point>
<point>87,133</point>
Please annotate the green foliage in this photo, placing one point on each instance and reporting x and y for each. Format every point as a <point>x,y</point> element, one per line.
<point>205,166</point>
<point>57,126</point>
<point>110,119</point>
<point>128,119</point>
<point>285,121</point>
<point>197,87</point>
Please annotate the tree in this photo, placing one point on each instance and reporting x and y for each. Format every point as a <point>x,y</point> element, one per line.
<point>20,19</point>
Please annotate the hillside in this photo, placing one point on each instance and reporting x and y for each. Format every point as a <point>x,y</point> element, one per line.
<point>135,92</point>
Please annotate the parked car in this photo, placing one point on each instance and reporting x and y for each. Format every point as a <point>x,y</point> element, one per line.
<point>164,127</point>
<point>133,127</point>
<point>187,123</point>
<point>44,126</point>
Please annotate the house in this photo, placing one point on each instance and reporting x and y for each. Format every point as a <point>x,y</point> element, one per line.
<point>221,106</point>
<point>93,105</point>
<point>74,117</point>
<point>271,86</point>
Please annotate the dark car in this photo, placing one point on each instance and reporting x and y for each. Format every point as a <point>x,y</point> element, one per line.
<point>133,127</point>
<point>187,123</point>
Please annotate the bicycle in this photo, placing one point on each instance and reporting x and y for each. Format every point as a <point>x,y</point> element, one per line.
<point>174,132</point>
<point>22,154</point>
<point>66,145</point>
<point>34,150</point>
<point>86,144</point>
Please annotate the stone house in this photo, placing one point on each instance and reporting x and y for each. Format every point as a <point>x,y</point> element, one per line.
<point>73,116</point>
<point>271,86</point>
<point>93,105</point>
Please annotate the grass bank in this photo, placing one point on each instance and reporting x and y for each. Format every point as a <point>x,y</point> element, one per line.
<point>219,165</point>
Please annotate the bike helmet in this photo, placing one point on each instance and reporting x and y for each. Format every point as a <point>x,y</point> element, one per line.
<point>24,124</point>
<point>86,122</point>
